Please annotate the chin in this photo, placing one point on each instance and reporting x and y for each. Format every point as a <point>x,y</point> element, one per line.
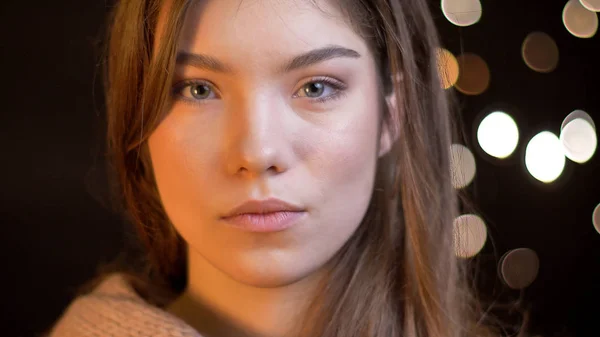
<point>271,275</point>
<point>268,281</point>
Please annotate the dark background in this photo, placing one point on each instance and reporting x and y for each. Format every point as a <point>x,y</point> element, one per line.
<point>57,227</point>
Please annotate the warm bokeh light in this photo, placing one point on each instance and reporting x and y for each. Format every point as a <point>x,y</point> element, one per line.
<point>470,234</point>
<point>498,134</point>
<point>592,5</point>
<point>462,165</point>
<point>519,268</point>
<point>474,75</point>
<point>447,67</point>
<point>579,21</point>
<point>596,218</point>
<point>579,140</point>
<point>544,157</point>
<point>540,52</point>
<point>462,12</point>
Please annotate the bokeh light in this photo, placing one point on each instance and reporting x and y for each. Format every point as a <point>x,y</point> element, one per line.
<point>578,114</point>
<point>462,165</point>
<point>462,12</point>
<point>448,68</point>
<point>592,5</point>
<point>596,218</point>
<point>578,136</point>
<point>540,52</point>
<point>470,234</point>
<point>519,268</point>
<point>579,21</point>
<point>579,140</point>
<point>498,134</point>
<point>544,157</point>
<point>474,74</point>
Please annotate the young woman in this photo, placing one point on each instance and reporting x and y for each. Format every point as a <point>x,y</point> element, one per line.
<point>286,164</point>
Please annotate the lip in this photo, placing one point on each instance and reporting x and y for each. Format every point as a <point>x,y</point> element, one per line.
<point>265,222</point>
<point>270,215</point>
<point>271,205</point>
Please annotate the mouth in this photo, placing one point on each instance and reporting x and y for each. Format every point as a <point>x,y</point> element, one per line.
<point>265,222</point>
<point>271,205</point>
<point>270,215</point>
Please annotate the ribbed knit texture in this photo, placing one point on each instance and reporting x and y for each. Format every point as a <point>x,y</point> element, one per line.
<point>114,309</point>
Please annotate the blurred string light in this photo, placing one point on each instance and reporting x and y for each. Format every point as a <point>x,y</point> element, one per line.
<point>596,218</point>
<point>592,5</point>
<point>579,20</point>
<point>540,52</point>
<point>462,12</point>
<point>578,136</point>
<point>470,234</point>
<point>447,67</point>
<point>498,134</point>
<point>544,157</point>
<point>518,268</point>
<point>474,74</point>
<point>462,164</point>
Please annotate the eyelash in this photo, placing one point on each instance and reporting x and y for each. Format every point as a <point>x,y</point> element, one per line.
<point>339,89</point>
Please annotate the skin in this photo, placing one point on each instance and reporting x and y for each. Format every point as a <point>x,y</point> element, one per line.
<point>256,134</point>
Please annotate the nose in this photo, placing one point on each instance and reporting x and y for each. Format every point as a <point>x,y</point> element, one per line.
<point>255,141</point>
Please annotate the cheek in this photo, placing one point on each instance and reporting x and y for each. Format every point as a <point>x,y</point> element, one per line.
<point>349,158</point>
<point>343,166</point>
<point>181,160</point>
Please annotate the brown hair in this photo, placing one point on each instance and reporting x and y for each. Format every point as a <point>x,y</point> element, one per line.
<point>398,274</point>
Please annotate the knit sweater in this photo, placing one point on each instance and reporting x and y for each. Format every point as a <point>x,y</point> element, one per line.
<point>114,309</point>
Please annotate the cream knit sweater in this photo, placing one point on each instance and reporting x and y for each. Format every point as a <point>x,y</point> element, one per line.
<point>114,309</point>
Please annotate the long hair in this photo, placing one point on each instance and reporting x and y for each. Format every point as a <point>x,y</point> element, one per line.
<point>398,274</point>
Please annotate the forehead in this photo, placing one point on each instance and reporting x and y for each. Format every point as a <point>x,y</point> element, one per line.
<point>245,31</point>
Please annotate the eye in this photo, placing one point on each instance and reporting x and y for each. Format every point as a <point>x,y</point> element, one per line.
<point>314,89</point>
<point>321,89</point>
<point>195,90</point>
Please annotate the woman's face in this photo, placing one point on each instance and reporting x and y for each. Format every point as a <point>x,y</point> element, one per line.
<point>250,126</point>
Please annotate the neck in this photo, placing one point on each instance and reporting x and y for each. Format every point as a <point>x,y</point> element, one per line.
<point>217,305</point>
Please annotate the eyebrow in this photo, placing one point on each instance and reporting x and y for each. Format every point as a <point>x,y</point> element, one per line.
<point>301,61</point>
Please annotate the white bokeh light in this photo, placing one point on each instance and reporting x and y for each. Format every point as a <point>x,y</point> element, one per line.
<point>579,141</point>
<point>544,157</point>
<point>579,21</point>
<point>498,134</point>
<point>578,114</point>
<point>592,5</point>
<point>470,234</point>
<point>462,164</point>
<point>462,12</point>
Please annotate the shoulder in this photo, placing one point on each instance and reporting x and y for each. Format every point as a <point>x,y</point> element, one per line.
<point>113,308</point>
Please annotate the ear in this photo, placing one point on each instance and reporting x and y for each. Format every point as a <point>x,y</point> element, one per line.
<point>388,135</point>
